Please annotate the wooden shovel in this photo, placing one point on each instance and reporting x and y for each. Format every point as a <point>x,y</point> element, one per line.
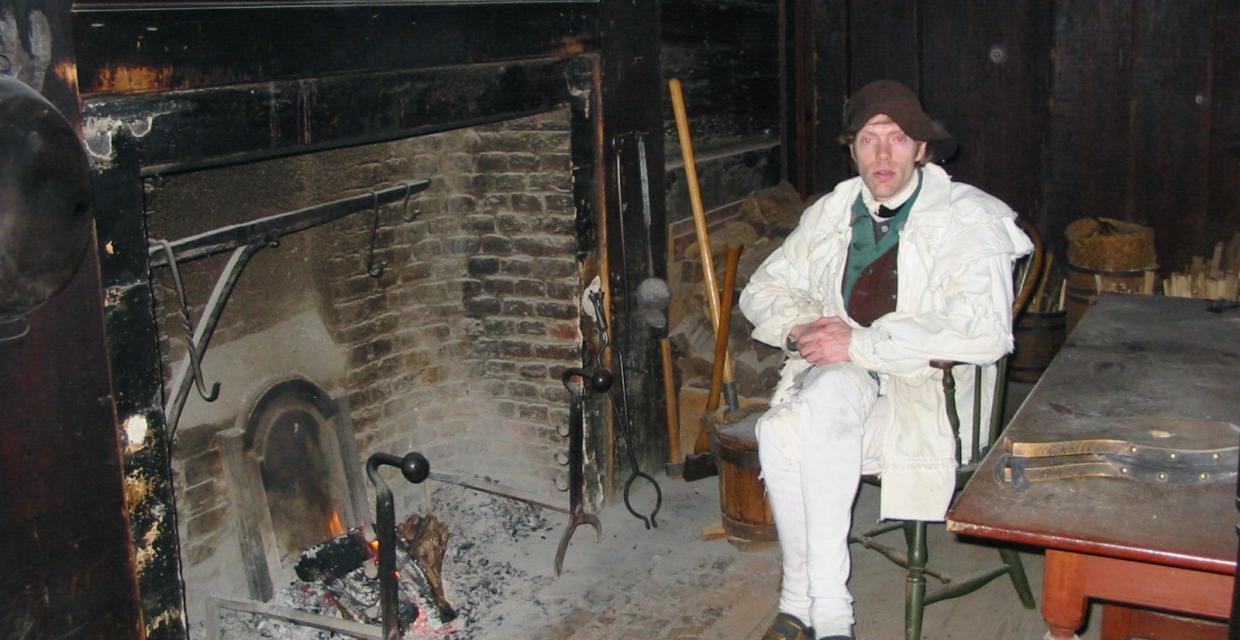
<point>703,235</point>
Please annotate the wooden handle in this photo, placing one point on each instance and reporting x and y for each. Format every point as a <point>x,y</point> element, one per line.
<point>721,344</point>
<point>699,212</point>
<point>673,414</point>
<point>1038,303</point>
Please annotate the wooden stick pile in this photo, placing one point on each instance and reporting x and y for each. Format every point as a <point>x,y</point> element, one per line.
<point>1048,299</point>
<point>1213,279</point>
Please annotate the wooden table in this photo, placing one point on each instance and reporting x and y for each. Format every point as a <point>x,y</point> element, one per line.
<point>1128,542</point>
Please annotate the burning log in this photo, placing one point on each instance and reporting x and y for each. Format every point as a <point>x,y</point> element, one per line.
<point>334,558</point>
<point>346,567</point>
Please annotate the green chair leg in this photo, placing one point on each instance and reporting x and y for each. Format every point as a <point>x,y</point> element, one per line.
<point>1016,571</point>
<point>915,588</point>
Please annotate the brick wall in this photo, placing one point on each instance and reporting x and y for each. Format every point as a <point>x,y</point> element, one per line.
<point>457,350</point>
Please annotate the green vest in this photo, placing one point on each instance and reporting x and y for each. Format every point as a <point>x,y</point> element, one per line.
<point>865,247</point>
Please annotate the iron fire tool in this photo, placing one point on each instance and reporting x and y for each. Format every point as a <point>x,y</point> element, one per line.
<point>1179,451</point>
<point>415,468</point>
<point>598,379</point>
<point>622,410</point>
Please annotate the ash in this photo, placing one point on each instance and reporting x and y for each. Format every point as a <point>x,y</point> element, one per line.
<point>489,562</point>
<point>490,559</point>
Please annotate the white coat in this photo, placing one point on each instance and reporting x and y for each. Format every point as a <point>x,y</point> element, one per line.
<point>954,302</point>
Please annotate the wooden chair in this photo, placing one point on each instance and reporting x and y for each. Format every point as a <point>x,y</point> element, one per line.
<point>915,555</point>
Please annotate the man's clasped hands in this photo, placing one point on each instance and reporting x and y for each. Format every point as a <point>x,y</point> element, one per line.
<point>823,341</point>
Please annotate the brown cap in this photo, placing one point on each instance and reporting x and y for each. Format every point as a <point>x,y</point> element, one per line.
<point>895,101</point>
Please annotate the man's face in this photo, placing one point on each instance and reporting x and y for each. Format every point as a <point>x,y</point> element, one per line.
<point>886,157</point>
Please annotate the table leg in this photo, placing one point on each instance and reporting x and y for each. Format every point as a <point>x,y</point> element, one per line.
<point>1063,595</point>
<point>1071,579</point>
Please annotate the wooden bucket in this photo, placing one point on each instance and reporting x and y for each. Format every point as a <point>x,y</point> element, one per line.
<point>1038,338</point>
<point>1084,285</point>
<point>742,496</point>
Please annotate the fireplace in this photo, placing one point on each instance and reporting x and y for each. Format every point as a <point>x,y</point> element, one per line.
<point>436,319</point>
<point>439,322</point>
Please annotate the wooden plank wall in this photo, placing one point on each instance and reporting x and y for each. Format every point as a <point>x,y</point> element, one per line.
<point>65,566</point>
<point>981,68</point>
<point>1144,106</point>
<point>1064,110</point>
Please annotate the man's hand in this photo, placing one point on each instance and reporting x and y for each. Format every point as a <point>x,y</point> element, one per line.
<point>823,341</point>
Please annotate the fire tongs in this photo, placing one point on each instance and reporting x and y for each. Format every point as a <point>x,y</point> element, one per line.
<point>598,379</point>
<point>415,468</point>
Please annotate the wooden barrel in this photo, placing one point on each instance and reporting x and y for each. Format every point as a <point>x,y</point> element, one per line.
<point>1038,338</point>
<point>1084,285</point>
<point>742,496</point>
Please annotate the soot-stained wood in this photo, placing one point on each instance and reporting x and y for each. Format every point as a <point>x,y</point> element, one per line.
<point>1134,133</point>
<point>67,569</point>
<point>1170,119</point>
<point>133,344</point>
<point>884,42</point>
<point>727,56</point>
<point>1065,110</point>
<point>1089,155</point>
<point>198,128</point>
<point>633,119</point>
<point>142,51</point>
<point>830,68</point>
<point>1222,213</point>
<point>984,76</point>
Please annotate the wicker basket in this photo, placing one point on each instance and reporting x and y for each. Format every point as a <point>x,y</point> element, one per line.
<point>1105,244</point>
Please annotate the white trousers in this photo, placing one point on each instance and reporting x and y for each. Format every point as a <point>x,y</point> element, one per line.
<point>813,449</point>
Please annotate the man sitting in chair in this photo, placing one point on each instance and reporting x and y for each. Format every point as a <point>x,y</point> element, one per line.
<point>888,271</point>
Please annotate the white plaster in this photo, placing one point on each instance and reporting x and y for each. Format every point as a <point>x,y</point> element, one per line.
<point>136,428</point>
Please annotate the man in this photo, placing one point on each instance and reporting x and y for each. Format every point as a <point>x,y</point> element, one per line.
<point>890,270</point>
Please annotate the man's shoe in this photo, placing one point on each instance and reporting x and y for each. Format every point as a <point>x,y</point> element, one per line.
<point>786,626</point>
<point>836,638</point>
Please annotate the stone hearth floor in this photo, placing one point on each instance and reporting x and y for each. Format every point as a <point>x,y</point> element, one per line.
<point>668,584</point>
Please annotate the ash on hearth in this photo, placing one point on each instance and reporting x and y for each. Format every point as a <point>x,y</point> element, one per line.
<point>477,567</point>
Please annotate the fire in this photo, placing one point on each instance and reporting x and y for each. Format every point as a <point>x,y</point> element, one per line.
<point>335,526</point>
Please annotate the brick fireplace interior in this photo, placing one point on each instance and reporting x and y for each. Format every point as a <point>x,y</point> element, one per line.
<point>455,349</point>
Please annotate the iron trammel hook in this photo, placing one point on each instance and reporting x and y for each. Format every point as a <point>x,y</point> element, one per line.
<point>404,212</point>
<point>375,268</point>
<point>187,325</point>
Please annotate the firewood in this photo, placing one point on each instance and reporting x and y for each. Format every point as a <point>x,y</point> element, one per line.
<point>1231,260</point>
<point>426,539</point>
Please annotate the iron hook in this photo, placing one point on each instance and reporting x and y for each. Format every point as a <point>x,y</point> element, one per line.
<point>375,268</point>
<point>404,212</point>
<point>188,326</point>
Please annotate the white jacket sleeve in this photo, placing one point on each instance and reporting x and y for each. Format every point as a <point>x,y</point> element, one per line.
<point>781,293</point>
